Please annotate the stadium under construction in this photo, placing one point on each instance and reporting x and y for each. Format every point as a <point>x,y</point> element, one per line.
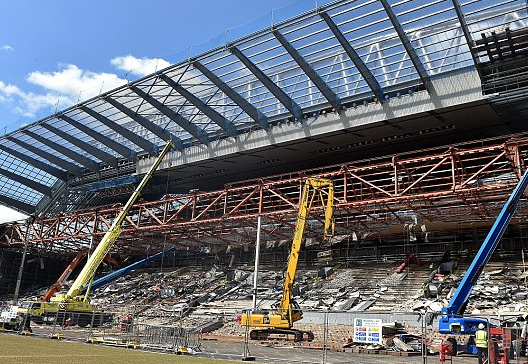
<point>414,110</point>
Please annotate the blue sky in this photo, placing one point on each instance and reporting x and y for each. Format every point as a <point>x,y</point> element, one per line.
<point>64,49</point>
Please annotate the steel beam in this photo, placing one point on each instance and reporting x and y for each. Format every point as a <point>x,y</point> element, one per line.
<point>39,187</point>
<point>70,167</point>
<point>19,205</point>
<point>185,124</point>
<point>283,98</point>
<point>422,73</point>
<point>362,68</point>
<point>467,33</point>
<point>82,160</point>
<point>110,143</point>
<point>327,92</point>
<point>241,102</point>
<point>88,148</point>
<point>60,174</point>
<point>141,142</point>
<point>146,123</point>
<point>211,113</point>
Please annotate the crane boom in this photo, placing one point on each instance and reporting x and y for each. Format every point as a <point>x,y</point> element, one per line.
<point>449,323</point>
<point>111,236</point>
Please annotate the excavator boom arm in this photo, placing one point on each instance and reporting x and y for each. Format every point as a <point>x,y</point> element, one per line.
<point>313,187</point>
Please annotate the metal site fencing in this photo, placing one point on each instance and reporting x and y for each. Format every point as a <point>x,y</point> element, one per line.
<point>145,327</point>
<point>336,336</point>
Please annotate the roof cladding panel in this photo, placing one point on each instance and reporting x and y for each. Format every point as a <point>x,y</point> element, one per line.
<point>35,143</point>
<point>170,98</point>
<point>316,43</point>
<point>89,121</point>
<point>369,31</point>
<point>19,192</point>
<point>107,110</point>
<point>17,166</point>
<point>343,51</point>
<point>420,24</point>
<point>45,133</point>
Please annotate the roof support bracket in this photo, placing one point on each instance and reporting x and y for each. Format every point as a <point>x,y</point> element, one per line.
<point>98,153</point>
<point>60,174</point>
<point>110,143</point>
<point>39,187</point>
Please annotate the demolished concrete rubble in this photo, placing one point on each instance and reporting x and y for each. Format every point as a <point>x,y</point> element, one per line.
<point>213,297</point>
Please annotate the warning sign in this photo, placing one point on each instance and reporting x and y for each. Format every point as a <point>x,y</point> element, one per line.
<point>367,331</point>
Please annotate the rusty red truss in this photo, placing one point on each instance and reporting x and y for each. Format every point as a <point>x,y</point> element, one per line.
<point>462,184</point>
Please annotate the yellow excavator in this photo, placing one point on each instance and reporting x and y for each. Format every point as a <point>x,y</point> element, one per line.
<point>74,305</point>
<point>277,324</point>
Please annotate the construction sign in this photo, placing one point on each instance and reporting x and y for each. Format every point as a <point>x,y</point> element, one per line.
<point>367,331</point>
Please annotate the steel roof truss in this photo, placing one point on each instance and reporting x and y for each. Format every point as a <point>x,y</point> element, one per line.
<point>86,162</point>
<point>367,75</point>
<point>211,113</point>
<point>45,190</point>
<point>60,174</point>
<point>241,102</point>
<point>283,98</point>
<point>112,144</point>
<point>143,143</point>
<point>185,124</point>
<point>70,167</point>
<point>146,123</point>
<point>88,148</point>
<point>422,73</point>
<point>321,85</point>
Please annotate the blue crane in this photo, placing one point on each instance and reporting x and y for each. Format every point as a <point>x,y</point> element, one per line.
<point>450,321</point>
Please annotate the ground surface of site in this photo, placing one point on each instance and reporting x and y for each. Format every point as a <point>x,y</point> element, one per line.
<point>21,349</point>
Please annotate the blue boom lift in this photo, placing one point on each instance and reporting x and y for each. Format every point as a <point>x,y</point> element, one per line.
<point>450,321</point>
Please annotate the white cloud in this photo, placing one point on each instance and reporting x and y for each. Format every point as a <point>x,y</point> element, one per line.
<point>73,82</point>
<point>139,66</point>
<point>6,47</point>
<point>28,103</point>
<point>9,215</point>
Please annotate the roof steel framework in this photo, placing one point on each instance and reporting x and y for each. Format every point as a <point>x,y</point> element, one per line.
<point>462,184</point>
<point>323,58</point>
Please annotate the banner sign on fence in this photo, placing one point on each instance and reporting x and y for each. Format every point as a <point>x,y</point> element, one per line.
<point>367,331</point>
